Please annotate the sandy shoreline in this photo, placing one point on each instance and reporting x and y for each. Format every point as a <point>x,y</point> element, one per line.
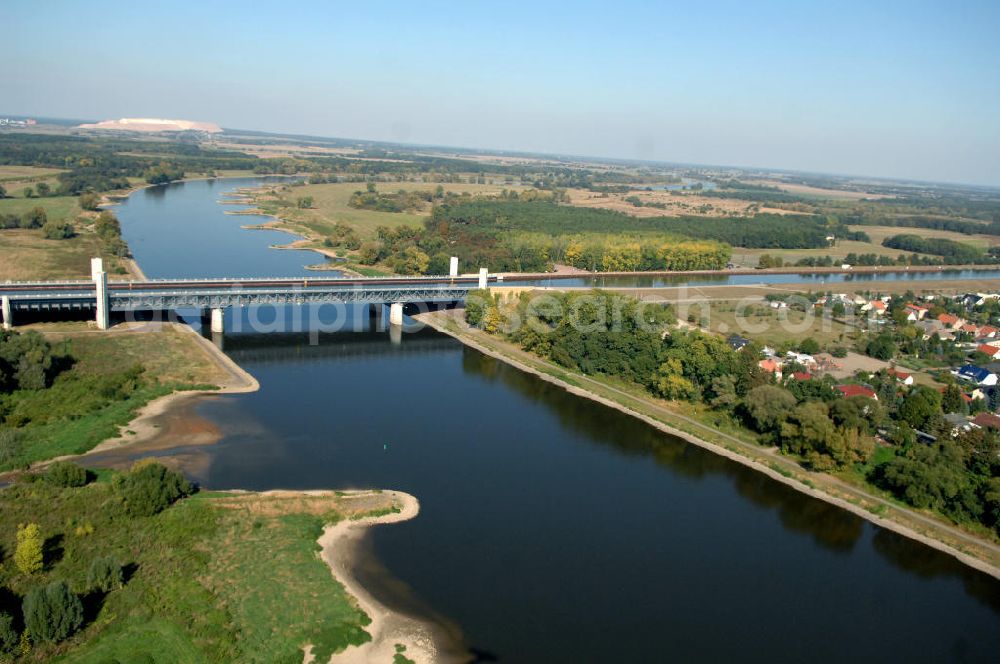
<point>435,321</point>
<point>338,543</point>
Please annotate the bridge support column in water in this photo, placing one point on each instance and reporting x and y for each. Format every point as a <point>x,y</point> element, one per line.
<point>396,313</point>
<point>100,278</point>
<point>483,278</point>
<point>8,320</point>
<point>218,321</point>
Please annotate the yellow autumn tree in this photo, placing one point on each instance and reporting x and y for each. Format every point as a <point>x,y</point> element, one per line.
<point>28,554</point>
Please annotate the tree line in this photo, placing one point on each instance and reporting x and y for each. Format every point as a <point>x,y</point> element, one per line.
<point>760,231</point>
<point>950,250</point>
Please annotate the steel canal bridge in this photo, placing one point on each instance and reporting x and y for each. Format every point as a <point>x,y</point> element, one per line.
<point>103,297</point>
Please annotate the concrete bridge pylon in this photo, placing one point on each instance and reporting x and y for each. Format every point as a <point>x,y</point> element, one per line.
<point>100,278</point>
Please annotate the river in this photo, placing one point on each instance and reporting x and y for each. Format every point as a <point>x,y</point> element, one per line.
<point>552,529</point>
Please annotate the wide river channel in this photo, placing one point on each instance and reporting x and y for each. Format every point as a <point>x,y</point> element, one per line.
<point>552,529</point>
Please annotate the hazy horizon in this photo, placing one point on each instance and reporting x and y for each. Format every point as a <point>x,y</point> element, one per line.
<point>899,90</point>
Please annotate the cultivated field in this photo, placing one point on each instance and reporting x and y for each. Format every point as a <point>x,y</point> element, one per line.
<point>680,203</point>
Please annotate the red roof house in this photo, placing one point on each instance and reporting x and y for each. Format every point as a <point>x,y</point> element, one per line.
<point>901,376</point>
<point>949,320</point>
<point>987,421</point>
<point>992,351</point>
<point>849,391</point>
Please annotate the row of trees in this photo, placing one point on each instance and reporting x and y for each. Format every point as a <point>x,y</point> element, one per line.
<point>951,251</point>
<point>484,216</point>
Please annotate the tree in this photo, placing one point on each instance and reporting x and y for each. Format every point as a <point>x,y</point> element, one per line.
<point>34,218</point>
<point>52,612</point>
<point>89,201</point>
<point>411,261</point>
<point>150,488</point>
<point>66,474</point>
<point>952,401</point>
<point>8,635</point>
<point>55,230</point>
<point>809,345</point>
<point>767,406</point>
<point>882,347</point>
<point>670,382</point>
<point>920,406</point>
<point>932,476</point>
<point>43,189</point>
<point>105,574</point>
<point>304,202</point>
<point>30,544</point>
<point>3,192</point>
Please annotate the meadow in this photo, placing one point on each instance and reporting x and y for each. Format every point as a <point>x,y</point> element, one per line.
<point>214,577</point>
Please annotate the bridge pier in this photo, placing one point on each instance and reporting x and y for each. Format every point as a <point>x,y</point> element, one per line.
<point>396,314</point>
<point>218,321</point>
<point>100,278</point>
<point>396,335</point>
<point>453,267</point>
<point>483,278</point>
<point>8,317</point>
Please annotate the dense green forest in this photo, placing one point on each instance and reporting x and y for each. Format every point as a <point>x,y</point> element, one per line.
<point>954,252</point>
<point>620,337</point>
<point>760,231</point>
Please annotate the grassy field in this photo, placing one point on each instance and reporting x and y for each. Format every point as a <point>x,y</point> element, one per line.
<point>217,577</point>
<point>879,233</point>
<point>58,208</point>
<point>743,257</point>
<point>773,327</point>
<point>28,256</point>
<point>72,416</point>
<point>330,206</point>
<point>15,179</point>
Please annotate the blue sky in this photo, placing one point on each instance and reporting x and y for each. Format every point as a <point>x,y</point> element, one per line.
<point>908,89</point>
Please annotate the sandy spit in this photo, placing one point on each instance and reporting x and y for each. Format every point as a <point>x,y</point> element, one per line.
<point>387,628</point>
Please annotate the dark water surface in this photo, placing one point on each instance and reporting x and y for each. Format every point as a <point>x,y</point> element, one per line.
<point>554,529</point>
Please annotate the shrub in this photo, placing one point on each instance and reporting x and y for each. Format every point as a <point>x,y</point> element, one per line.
<point>55,230</point>
<point>89,201</point>
<point>9,637</point>
<point>52,612</point>
<point>150,488</point>
<point>10,445</point>
<point>34,218</point>
<point>28,554</point>
<point>105,574</point>
<point>66,474</point>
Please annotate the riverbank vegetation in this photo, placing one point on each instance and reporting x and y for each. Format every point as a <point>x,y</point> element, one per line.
<point>601,333</point>
<point>133,567</point>
<point>68,390</point>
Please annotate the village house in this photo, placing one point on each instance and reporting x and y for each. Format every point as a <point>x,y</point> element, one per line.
<point>772,367</point>
<point>901,376</point>
<point>990,351</point>
<point>976,375</point>
<point>950,321</point>
<point>915,312</point>
<point>851,390</point>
